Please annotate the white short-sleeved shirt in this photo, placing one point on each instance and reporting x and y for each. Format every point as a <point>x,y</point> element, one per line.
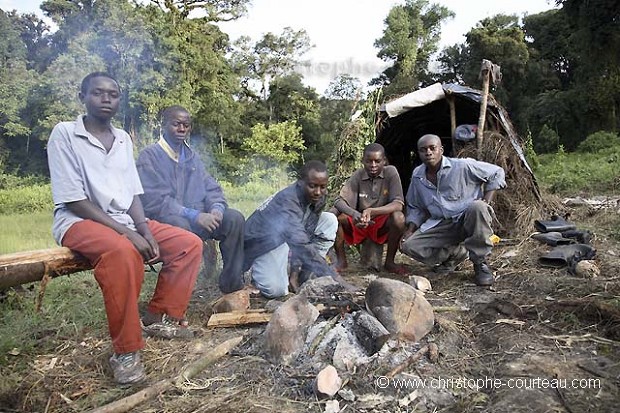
<point>80,168</point>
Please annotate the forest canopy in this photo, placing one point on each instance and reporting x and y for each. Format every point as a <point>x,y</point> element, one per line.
<point>561,75</point>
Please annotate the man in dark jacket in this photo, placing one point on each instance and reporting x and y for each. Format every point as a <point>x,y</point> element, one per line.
<point>291,221</point>
<point>179,191</point>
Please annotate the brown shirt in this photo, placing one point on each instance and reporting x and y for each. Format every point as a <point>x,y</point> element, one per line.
<point>361,191</point>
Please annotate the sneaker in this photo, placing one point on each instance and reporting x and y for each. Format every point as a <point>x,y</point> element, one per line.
<point>127,368</point>
<point>168,327</point>
<point>483,276</point>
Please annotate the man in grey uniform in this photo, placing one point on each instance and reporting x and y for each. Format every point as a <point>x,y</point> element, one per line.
<point>449,211</point>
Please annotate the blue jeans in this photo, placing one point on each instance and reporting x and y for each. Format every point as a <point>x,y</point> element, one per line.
<point>270,270</point>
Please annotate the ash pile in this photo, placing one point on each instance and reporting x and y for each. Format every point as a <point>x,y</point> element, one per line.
<point>356,348</point>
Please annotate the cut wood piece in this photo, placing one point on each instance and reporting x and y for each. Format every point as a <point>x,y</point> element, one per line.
<point>239,318</point>
<point>261,316</point>
<point>327,382</point>
<point>369,331</point>
<point>30,266</point>
<point>235,301</point>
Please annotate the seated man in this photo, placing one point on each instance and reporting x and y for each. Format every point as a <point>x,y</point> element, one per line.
<point>448,210</point>
<point>98,214</point>
<point>370,206</point>
<point>291,221</point>
<point>179,191</point>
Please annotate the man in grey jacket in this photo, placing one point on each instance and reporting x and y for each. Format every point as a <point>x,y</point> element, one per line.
<point>449,211</point>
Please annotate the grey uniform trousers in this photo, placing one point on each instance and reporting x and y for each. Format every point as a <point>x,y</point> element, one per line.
<point>453,238</point>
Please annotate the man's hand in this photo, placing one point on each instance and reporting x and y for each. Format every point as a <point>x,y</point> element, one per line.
<point>218,216</point>
<point>363,219</point>
<point>408,233</point>
<point>210,221</point>
<point>145,243</point>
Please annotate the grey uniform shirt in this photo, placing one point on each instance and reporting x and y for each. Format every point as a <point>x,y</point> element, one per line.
<point>80,168</point>
<point>460,181</point>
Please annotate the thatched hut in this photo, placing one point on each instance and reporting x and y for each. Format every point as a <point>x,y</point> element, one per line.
<point>440,109</point>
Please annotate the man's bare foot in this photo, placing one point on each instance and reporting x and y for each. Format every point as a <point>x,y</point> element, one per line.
<point>396,269</point>
<point>293,281</point>
<point>341,264</point>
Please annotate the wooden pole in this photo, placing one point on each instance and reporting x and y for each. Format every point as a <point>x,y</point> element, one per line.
<point>452,122</point>
<point>29,266</point>
<point>485,73</point>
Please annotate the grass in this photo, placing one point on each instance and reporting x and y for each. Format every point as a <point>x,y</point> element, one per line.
<point>587,174</point>
<point>24,232</point>
<point>25,333</point>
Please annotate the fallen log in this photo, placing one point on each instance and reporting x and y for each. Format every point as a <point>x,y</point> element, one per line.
<point>129,402</point>
<point>30,266</point>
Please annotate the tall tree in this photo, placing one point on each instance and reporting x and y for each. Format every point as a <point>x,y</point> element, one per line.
<point>213,10</point>
<point>501,40</point>
<point>411,35</point>
<point>596,35</point>
<point>291,101</point>
<point>452,61</point>
<point>16,83</point>
<point>271,57</point>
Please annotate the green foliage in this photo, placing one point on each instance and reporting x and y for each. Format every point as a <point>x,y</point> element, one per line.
<point>270,58</point>
<point>599,141</point>
<point>258,187</point>
<point>501,40</point>
<point>411,35</point>
<point>26,199</point>
<point>8,181</point>
<point>279,142</point>
<point>530,152</point>
<point>592,173</point>
<point>547,141</point>
<point>344,87</point>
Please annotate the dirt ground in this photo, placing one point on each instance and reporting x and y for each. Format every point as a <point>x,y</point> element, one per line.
<point>539,340</point>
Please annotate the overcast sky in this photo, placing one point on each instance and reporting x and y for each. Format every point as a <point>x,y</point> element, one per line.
<point>344,31</point>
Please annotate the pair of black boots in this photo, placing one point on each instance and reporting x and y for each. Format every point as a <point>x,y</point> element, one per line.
<point>571,244</point>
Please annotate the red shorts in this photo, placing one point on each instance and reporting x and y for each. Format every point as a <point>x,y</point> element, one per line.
<point>360,234</point>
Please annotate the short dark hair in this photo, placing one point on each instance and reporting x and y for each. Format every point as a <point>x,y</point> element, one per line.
<point>86,81</point>
<point>430,136</point>
<point>313,165</point>
<point>170,110</point>
<point>374,147</point>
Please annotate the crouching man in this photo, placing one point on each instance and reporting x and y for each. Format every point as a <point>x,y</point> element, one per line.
<point>449,214</point>
<point>291,227</point>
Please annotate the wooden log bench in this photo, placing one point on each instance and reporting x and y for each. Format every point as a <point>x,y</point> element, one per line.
<point>31,266</point>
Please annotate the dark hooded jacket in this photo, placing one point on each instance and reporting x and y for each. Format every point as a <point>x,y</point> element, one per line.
<point>280,220</point>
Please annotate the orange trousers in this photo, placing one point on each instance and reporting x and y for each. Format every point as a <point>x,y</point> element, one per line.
<point>119,270</point>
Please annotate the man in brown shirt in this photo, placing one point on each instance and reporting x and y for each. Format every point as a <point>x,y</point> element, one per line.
<point>370,205</point>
